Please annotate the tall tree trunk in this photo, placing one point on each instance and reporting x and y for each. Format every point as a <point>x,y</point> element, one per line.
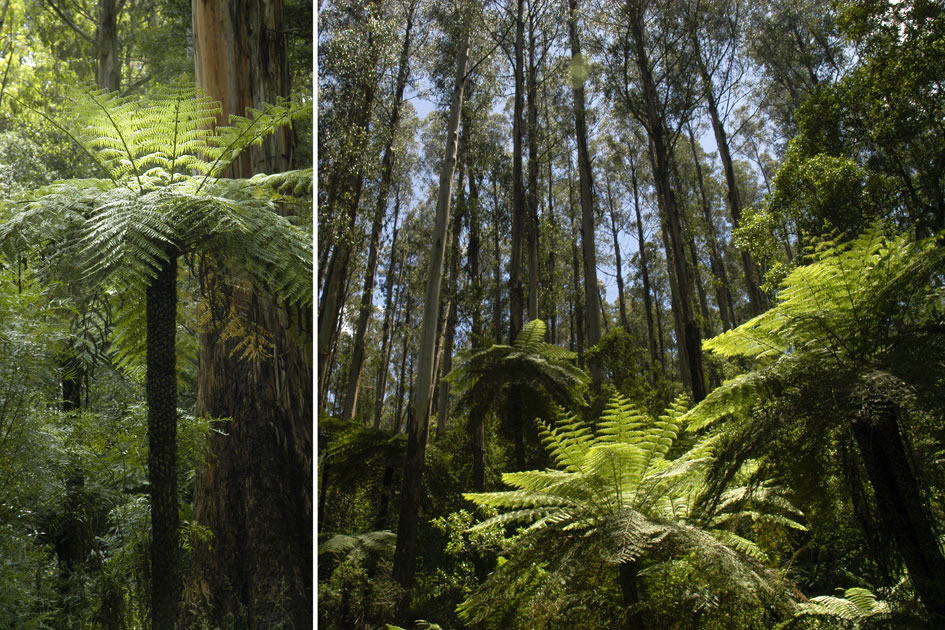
<point>497,269</point>
<point>660,158</point>
<point>644,271</point>
<point>449,331</point>
<point>578,309</point>
<point>381,385</point>
<point>592,303</point>
<point>387,172</point>
<point>255,493</point>
<point>613,228</point>
<point>900,503</point>
<point>108,76</point>
<point>477,424</point>
<point>532,200</point>
<point>723,294</point>
<point>516,291</point>
<point>682,349</point>
<point>406,550</point>
<point>755,296</point>
<point>402,380</point>
<point>161,392</point>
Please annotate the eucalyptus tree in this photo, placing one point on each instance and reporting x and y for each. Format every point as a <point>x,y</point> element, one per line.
<point>647,67</point>
<point>380,211</point>
<point>136,222</point>
<point>579,69</point>
<point>418,420</point>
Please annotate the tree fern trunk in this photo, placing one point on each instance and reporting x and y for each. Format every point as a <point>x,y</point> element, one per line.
<point>629,588</point>
<point>901,508</point>
<point>161,390</point>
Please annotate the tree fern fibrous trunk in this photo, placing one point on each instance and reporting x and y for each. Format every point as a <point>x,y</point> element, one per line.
<point>901,507</point>
<point>418,422</point>
<point>161,392</point>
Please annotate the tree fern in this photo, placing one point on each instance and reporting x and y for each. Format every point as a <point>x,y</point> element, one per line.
<point>618,497</point>
<point>854,343</point>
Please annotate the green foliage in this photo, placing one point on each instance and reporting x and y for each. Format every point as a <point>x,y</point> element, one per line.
<point>624,494</point>
<point>163,159</point>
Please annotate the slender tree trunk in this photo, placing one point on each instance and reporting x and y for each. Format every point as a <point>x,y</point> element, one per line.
<point>660,158</point>
<point>161,393</point>
<point>578,309</point>
<point>389,304</point>
<point>406,550</point>
<point>592,303</point>
<point>106,41</point>
<point>532,199</point>
<point>516,290</point>
<point>900,503</point>
<point>755,296</point>
<point>497,269</point>
<point>449,332</point>
<point>682,348</point>
<point>387,172</point>
<point>644,271</point>
<point>255,493</point>
<point>477,424</point>
<point>402,381</point>
<point>723,294</point>
<point>620,294</point>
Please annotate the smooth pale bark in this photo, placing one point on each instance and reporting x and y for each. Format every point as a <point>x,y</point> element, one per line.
<point>516,290</point>
<point>449,331</point>
<point>613,228</point>
<point>644,270</point>
<point>723,294</point>
<point>586,186</point>
<point>255,493</point>
<point>418,423</point>
<point>660,158</point>
<point>402,379</point>
<point>161,394</point>
<point>387,173</point>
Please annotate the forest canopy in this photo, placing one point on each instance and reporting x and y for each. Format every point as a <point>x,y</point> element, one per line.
<point>630,314</point>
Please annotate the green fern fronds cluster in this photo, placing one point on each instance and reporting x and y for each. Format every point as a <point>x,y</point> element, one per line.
<point>162,157</point>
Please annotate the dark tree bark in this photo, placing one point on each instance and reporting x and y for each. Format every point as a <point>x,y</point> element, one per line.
<point>161,393</point>
<point>629,588</point>
<point>109,48</point>
<point>516,290</point>
<point>497,268</point>
<point>660,157</point>
<point>531,232</point>
<point>899,501</point>
<point>586,184</point>
<point>255,493</point>
<point>449,331</point>
<point>387,172</point>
